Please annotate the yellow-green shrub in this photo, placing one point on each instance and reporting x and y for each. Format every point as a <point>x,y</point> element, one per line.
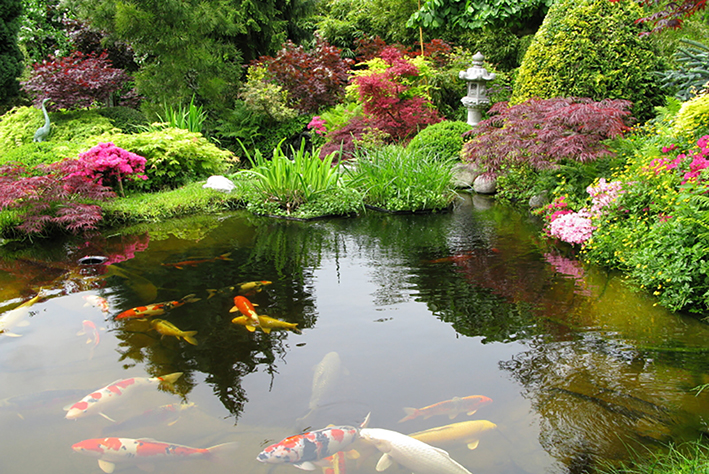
<point>693,117</point>
<point>591,48</point>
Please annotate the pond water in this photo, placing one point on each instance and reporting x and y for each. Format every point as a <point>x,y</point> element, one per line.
<point>413,310</point>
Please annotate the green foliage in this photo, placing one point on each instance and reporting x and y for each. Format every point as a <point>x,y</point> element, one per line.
<point>692,71</point>
<point>343,22</point>
<point>591,48</point>
<point>126,119</point>
<point>17,127</point>
<point>265,98</point>
<point>256,131</point>
<point>174,156</point>
<point>457,15</point>
<point>303,187</point>
<point>397,180</point>
<point>42,32</point>
<point>442,139</point>
<point>10,54</point>
<point>693,117</point>
<point>189,118</point>
<point>500,46</point>
<point>32,154</point>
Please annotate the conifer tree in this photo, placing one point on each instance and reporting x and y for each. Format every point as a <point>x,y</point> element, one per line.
<point>10,55</point>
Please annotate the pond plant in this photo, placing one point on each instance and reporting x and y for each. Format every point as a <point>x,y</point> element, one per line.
<point>397,180</point>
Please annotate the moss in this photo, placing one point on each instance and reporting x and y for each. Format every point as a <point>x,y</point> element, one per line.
<point>591,48</point>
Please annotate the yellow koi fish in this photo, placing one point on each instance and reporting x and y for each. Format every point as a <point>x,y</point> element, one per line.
<point>466,431</point>
<point>451,407</point>
<point>166,328</point>
<point>266,323</point>
<point>247,287</point>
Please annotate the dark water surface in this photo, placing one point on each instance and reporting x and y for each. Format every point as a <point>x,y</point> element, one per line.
<point>419,309</point>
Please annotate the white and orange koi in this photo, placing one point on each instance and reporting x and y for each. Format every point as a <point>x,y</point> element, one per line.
<point>308,450</point>
<point>96,402</point>
<point>97,302</point>
<point>16,317</point>
<point>141,452</point>
<point>91,332</point>
<point>451,407</point>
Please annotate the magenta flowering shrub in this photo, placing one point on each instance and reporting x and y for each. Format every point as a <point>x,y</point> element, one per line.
<point>318,125</point>
<point>690,164</point>
<point>106,160</point>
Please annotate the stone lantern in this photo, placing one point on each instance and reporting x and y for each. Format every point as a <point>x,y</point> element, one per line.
<point>476,76</point>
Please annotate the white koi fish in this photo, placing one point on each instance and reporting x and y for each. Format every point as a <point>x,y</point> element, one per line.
<point>411,453</point>
<point>97,302</point>
<point>16,317</point>
<point>96,402</point>
<point>141,452</point>
<point>327,373</point>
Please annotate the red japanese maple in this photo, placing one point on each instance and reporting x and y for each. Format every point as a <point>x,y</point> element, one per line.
<point>49,197</point>
<point>314,78</point>
<point>543,132</point>
<point>75,81</point>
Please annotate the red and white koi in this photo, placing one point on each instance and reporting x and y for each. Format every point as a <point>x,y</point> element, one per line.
<point>97,302</point>
<point>311,449</point>
<point>450,407</point>
<point>96,402</point>
<point>141,452</point>
<point>155,309</point>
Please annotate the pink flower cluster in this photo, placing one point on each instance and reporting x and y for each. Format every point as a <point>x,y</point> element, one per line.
<point>697,164</point>
<point>574,228</point>
<point>603,195</point>
<point>106,159</point>
<point>317,124</point>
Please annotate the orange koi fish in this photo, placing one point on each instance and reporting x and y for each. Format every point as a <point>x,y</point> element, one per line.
<point>244,306</point>
<point>194,263</point>
<point>141,452</point>
<point>451,407</point>
<point>155,309</point>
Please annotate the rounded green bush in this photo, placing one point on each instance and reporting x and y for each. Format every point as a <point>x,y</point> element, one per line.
<point>693,117</point>
<point>443,139</point>
<point>591,48</point>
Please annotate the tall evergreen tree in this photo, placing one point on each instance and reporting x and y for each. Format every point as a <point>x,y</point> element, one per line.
<point>187,47</point>
<point>10,55</point>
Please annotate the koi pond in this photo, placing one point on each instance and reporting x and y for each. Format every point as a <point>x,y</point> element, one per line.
<point>568,367</point>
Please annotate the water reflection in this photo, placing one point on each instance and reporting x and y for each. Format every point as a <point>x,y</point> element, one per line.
<point>420,309</point>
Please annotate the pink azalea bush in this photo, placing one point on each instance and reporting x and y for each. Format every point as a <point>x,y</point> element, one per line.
<point>317,124</point>
<point>577,227</point>
<point>691,163</point>
<point>106,160</point>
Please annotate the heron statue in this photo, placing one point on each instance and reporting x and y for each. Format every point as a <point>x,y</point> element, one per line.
<point>43,132</point>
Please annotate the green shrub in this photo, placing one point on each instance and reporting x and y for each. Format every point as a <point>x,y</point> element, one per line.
<point>33,154</point>
<point>174,156</point>
<point>17,127</point>
<point>693,117</point>
<point>443,139</point>
<point>126,119</point>
<point>691,72</point>
<point>591,48</point>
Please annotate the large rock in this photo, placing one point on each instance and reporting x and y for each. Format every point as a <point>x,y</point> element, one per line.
<point>485,184</point>
<point>220,183</point>
<point>464,174</point>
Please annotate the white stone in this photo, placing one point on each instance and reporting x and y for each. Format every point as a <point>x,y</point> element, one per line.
<point>220,183</point>
<point>485,184</point>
